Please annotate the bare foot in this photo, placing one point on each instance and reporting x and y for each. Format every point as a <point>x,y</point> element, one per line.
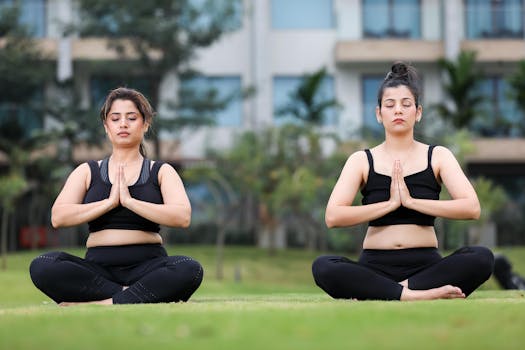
<point>99,302</point>
<point>445,292</point>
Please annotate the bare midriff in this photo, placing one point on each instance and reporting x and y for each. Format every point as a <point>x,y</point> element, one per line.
<point>113,237</point>
<point>400,237</point>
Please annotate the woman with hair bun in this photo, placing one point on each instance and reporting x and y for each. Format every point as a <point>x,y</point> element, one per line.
<point>123,199</point>
<point>400,180</point>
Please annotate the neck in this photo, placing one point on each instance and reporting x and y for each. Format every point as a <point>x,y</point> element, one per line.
<point>399,144</point>
<point>125,156</point>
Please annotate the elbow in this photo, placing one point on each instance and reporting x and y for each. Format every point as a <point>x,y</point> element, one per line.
<point>186,219</point>
<point>329,219</point>
<point>475,211</point>
<point>56,220</point>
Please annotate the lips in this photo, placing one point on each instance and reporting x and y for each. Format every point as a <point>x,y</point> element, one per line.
<point>398,120</point>
<point>123,134</point>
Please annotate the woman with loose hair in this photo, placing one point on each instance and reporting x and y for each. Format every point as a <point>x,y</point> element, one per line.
<point>400,180</point>
<point>124,199</point>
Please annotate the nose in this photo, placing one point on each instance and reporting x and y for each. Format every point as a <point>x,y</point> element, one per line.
<point>397,108</point>
<point>123,122</point>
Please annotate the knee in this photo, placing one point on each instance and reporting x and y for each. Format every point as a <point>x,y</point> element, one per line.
<point>482,260</point>
<point>41,267</point>
<point>188,267</point>
<point>321,267</point>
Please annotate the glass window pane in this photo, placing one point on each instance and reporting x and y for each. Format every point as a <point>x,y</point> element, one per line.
<point>21,120</point>
<point>391,19</point>
<point>406,19</point>
<point>283,88</point>
<point>302,14</point>
<point>226,88</point>
<point>100,86</point>
<point>371,85</point>
<point>375,18</point>
<point>494,19</point>
<point>500,114</point>
<point>32,15</point>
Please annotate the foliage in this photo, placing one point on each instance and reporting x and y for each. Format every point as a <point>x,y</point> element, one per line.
<point>23,67</point>
<point>462,80</point>
<point>75,124</point>
<point>492,197</point>
<point>11,187</point>
<point>163,36</point>
<point>305,103</point>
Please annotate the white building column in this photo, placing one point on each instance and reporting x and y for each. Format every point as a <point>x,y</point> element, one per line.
<point>64,58</point>
<point>260,25</point>
<point>453,28</point>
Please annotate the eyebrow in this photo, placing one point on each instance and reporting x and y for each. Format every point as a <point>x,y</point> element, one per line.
<point>128,113</point>
<point>402,99</point>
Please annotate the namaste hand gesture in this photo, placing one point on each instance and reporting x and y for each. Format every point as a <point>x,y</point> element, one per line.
<point>119,191</point>
<point>399,194</point>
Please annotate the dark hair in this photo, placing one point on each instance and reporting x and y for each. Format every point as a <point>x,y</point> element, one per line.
<point>401,74</point>
<point>141,102</point>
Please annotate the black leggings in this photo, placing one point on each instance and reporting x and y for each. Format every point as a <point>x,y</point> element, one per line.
<point>377,274</point>
<point>151,275</point>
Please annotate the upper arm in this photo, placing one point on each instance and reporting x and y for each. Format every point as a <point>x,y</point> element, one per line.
<point>76,185</point>
<point>171,186</point>
<point>350,181</point>
<point>452,175</point>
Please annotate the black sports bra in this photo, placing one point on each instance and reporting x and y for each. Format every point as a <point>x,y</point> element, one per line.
<point>146,188</point>
<point>422,184</point>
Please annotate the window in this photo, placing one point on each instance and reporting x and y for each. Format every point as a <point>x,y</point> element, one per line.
<point>32,15</point>
<point>392,19</point>
<point>20,120</point>
<point>302,14</point>
<point>501,116</point>
<point>100,86</point>
<point>203,12</point>
<point>283,86</point>
<point>221,96</point>
<point>494,19</point>
<point>371,85</point>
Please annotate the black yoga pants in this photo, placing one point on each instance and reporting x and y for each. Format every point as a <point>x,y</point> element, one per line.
<point>149,273</point>
<point>377,274</point>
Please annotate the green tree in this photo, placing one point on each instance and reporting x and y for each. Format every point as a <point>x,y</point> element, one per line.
<point>161,36</point>
<point>23,73</point>
<point>306,103</point>
<point>462,80</point>
<point>11,187</point>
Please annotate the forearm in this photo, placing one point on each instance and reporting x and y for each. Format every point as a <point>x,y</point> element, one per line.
<point>64,215</point>
<point>349,215</point>
<point>461,208</point>
<point>173,215</point>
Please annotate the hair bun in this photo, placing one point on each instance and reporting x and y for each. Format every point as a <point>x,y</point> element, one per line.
<point>399,69</point>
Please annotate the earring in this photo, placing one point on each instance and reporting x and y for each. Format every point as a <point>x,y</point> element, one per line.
<point>380,121</point>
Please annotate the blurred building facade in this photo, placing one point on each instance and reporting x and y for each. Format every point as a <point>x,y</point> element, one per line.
<point>356,40</point>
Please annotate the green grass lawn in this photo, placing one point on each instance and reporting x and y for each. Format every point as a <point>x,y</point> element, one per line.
<point>263,302</point>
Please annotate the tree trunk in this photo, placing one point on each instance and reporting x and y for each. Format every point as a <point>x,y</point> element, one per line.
<point>3,238</point>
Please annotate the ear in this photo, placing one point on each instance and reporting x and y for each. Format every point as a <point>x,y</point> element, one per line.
<point>378,115</point>
<point>419,113</point>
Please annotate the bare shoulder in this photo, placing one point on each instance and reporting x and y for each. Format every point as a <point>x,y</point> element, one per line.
<point>167,173</point>
<point>442,153</point>
<point>357,160</point>
<point>356,165</point>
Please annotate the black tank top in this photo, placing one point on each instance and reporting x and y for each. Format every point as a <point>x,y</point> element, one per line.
<point>422,185</point>
<point>146,189</point>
